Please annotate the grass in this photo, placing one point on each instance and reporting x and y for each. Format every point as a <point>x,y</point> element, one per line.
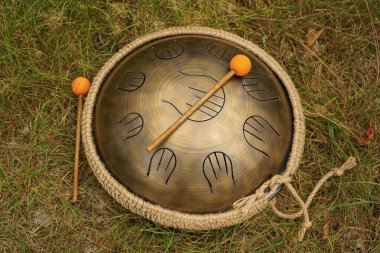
<point>44,44</point>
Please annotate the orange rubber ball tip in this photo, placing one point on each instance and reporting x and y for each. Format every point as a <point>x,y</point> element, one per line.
<point>241,64</point>
<point>80,85</point>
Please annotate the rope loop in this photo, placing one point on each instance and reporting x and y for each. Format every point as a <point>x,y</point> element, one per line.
<point>350,163</point>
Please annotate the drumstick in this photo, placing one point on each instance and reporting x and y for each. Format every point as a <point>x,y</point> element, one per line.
<point>240,65</point>
<point>79,86</point>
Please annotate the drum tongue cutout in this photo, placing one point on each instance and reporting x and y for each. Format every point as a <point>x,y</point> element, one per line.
<point>247,204</point>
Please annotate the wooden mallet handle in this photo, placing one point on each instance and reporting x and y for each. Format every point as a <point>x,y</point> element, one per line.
<point>190,111</point>
<point>77,149</point>
<point>240,65</point>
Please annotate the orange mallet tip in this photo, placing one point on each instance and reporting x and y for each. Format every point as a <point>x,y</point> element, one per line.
<point>80,85</point>
<point>241,64</point>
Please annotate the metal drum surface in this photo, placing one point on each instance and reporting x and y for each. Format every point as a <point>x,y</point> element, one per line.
<point>237,140</point>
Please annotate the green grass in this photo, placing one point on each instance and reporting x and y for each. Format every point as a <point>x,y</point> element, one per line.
<point>44,44</point>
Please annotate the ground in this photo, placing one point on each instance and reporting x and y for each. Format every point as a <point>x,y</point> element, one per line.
<point>329,48</point>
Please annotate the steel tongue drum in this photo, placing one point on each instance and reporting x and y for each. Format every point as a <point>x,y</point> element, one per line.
<point>242,135</point>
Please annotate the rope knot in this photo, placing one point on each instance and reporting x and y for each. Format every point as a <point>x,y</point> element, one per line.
<point>247,204</point>
<point>307,224</point>
<point>350,163</point>
<point>277,180</point>
<point>338,172</point>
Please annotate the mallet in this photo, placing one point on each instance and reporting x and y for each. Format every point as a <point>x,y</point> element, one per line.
<point>80,86</point>
<point>240,65</point>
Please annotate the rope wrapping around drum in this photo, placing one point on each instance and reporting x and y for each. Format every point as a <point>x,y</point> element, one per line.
<point>242,209</point>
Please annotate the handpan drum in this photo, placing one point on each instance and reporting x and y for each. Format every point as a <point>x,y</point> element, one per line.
<point>241,137</point>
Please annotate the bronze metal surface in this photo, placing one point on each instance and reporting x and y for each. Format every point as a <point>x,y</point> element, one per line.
<point>238,139</point>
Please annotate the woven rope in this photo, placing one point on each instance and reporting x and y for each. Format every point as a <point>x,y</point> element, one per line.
<point>241,211</point>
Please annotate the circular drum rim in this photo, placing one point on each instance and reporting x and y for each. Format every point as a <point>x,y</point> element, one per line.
<point>172,218</point>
